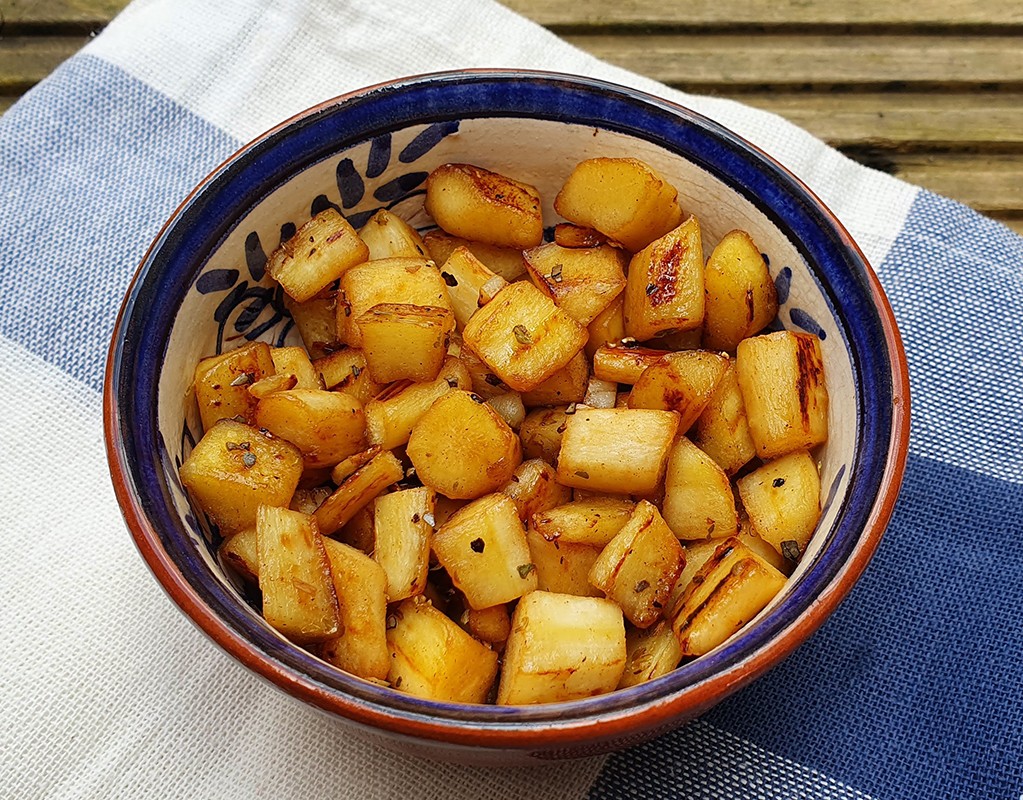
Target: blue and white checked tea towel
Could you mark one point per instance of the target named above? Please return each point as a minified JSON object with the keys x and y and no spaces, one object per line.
{"x":914,"y":689}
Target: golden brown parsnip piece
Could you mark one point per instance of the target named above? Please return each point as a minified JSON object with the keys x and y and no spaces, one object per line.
{"x":402,"y":535}
{"x":534,"y":488}
{"x":465,"y":276}
{"x":326,"y":426}
{"x":562,"y":648}
{"x":594,"y":521}
{"x":624,"y":362}
{"x":731,"y":588}
{"x":567,"y":385}
{"x":616,"y":450}
{"x":638,"y":568}
{"x":295,"y":361}
{"x":581,"y":281}
{"x":316,"y":322}
{"x":234,"y":469}
{"x":651,"y":653}
{"x":433,"y":658}
{"x":664,"y":291}
{"x":607,"y":327}
{"x":781,"y":377}
{"x":620,"y":197}
{"x":345,"y":370}
{"x":405,"y":342}
{"x":568,"y":235}
{"x":317,"y":255}
{"x":783,"y":500}
{"x":740,"y":298}
{"x":462,"y":448}
{"x":389,"y":236}
{"x":523,"y":337}
{"x":488,"y":624}
{"x":506,"y":262}
{"x":222,"y":382}
{"x":722,"y":429}
{"x":481,"y":205}
{"x":509,"y":405}
{"x":411,"y":281}
{"x":562,"y":567}
{"x":483,"y":548}
{"x":541,"y":432}
{"x":359,"y":583}
{"x":357,"y":491}
{"x":240,"y":551}
{"x":698,"y":501}
{"x":681,"y":382}
{"x":294,"y":576}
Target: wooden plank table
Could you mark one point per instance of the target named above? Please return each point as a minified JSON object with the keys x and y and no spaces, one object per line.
{"x":931,"y":91}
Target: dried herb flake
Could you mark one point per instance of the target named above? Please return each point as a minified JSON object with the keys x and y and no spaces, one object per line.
{"x":477,"y":545}
{"x":651,"y":288}
{"x":238,"y":446}
{"x":449,"y":279}
{"x":249,"y":460}
{"x":556,"y":273}
{"x":790,"y":549}
{"x":244,"y":379}
{"x":642,"y":586}
{"x":583,"y":474}
{"x":522,"y":335}
{"x":525,"y":569}
{"x":778,"y":482}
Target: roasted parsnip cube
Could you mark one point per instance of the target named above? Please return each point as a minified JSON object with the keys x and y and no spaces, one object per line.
{"x":359,"y":489}
{"x":462,"y":448}
{"x":664,"y":290}
{"x":682,"y":382}
{"x":568,"y":235}
{"x":504,"y":261}
{"x":465,"y":275}
{"x":698,"y":553}
{"x":405,"y":342}
{"x":483,"y":548}
{"x":607,"y":327}
{"x":241,"y":552}
{"x":781,"y":376}
{"x":359,"y":583}
{"x":624,"y":362}
{"x":638,"y":568}
{"x":509,"y":406}
{"x":433,"y":658}
{"x":294,"y":575}
{"x":622,"y":198}
{"x":316,"y":322}
{"x":651,"y":653}
{"x":403,"y":534}
{"x":748,"y":536}
{"x":484,"y":382}
{"x":484,"y":206}
{"x":783,"y":500}
{"x":561,"y":566}
{"x":326,"y":426}
{"x":411,"y":281}
{"x":488,"y":624}
{"x":234,"y":469}
{"x":731,"y":588}
{"x":721,"y":430}
{"x":740,"y":298}
{"x":222,"y":382}
{"x":391,"y":415}
{"x":445,"y":508}
{"x":534,"y":488}
{"x":567,"y":385}
{"x":345,"y":371}
{"x":582,"y":282}
{"x":562,"y":648}
{"x":600,"y":394}
{"x":698,"y":500}
{"x":523,"y":337}
{"x":295,"y":361}
{"x":616,"y":450}
{"x":681,"y":340}
{"x":389,"y":236}
{"x":541,"y":433}
{"x":594,"y":521}
{"x":317,"y":255}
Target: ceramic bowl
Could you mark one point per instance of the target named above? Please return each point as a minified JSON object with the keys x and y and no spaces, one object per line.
{"x":202,"y":288}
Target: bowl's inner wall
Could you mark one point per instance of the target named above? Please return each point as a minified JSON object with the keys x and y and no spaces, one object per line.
{"x":226,"y":300}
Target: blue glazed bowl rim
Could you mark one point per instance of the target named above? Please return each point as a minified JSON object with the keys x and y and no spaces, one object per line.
{"x":209,"y":213}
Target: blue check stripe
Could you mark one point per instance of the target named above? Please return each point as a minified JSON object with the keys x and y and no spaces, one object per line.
{"x":123,"y":163}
